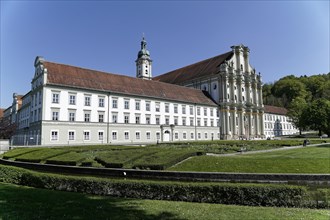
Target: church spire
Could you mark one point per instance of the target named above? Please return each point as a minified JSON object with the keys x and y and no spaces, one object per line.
{"x":143,"y":62}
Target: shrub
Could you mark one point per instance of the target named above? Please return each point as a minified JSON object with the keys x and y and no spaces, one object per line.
{"x":225,"y":193}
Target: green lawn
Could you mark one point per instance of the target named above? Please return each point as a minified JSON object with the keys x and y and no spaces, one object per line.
{"x":18,"y":202}
{"x":302,"y":160}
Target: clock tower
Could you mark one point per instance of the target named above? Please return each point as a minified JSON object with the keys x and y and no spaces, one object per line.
{"x":143,"y":62}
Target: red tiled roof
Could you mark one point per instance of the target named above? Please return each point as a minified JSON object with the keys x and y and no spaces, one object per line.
{"x":203,"y":68}
{"x":275,"y":110}
{"x":65,"y":75}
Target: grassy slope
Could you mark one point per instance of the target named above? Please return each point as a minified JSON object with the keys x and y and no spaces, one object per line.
{"x":17,"y":202}
{"x":303,"y":160}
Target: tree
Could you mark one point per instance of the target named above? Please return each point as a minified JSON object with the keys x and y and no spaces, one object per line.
{"x":317,"y":116}
{"x":295,"y":112}
{"x":288,"y":89}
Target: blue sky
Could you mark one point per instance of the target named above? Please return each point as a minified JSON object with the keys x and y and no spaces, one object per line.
{"x":284,"y":37}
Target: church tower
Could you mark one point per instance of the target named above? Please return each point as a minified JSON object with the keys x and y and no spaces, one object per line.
{"x":143,"y":62}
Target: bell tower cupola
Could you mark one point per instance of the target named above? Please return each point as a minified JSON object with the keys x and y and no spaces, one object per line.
{"x":143,"y":62}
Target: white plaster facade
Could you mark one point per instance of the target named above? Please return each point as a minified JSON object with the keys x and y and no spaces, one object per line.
{"x":277,"y":125}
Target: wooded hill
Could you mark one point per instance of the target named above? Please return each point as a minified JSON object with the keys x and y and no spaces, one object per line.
{"x":306,"y":97}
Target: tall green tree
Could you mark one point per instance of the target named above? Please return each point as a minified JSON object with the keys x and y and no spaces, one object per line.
{"x":295,"y":112}
{"x":317,"y":116}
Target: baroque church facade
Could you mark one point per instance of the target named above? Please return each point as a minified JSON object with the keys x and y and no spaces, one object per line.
{"x":217,"y":98}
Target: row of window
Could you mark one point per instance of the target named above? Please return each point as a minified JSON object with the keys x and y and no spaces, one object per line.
{"x":73,"y":97}
{"x":87,"y":118}
{"x":275,"y":118}
{"x":86,"y":135}
{"x":101,"y":103}
{"x":276,"y":125}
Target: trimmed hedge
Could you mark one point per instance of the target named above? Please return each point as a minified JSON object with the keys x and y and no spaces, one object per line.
{"x":224,"y":193}
{"x":119,"y":158}
{"x":18,"y":152}
{"x":71,"y":158}
{"x":164,"y":159}
{"x":40,"y":155}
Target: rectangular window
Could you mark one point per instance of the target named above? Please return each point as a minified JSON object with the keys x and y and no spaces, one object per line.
{"x":175,"y":121}
{"x":198,"y":122}
{"x":184,"y":109}
{"x":137,"y":119}
{"x":40,"y":97}
{"x":114,"y":135}
{"x":126,"y":104}
{"x":72,"y":99}
{"x":101,"y":135}
{"x":148,"y":135}
{"x":137,"y":135}
{"x":191,"y":122}
{"x":86,"y":135}
{"x":176,"y":135}
{"x":184,"y":135}
{"x":191,"y":110}
{"x":198,"y":111}
{"x":205,"y":135}
{"x":167,"y":108}
{"x":54,"y":115}
{"x":114,"y":103}
{"x":126,"y":134}
{"x":87,"y":117}
{"x":71,"y":135}
{"x":157,"y":107}
{"x":137,"y":105}
{"x":211,"y":111}
{"x":55,"y":98}
{"x":126,"y":119}
{"x":72,"y":116}
{"x":175,"y":109}
{"x":101,"y":117}
{"x":212,"y":123}
{"x":205,"y":111}
{"x":87,"y":101}
{"x":147,"y":106}
{"x":191,"y":135}
{"x":114,"y":118}
{"x":167,"y":121}
{"x":205,"y":122}
{"x":54,"y":135}
{"x":157,"y":135}
{"x":199,"y":135}
{"x":184,"y":121}
{"x":148,"y":120}
{"x":157,"y":120}
{"x":101,"y":102}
